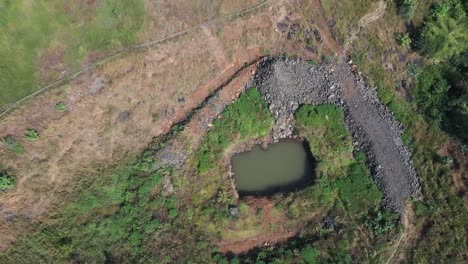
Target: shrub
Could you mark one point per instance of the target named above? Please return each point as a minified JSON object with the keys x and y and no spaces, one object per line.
{"x":309,"y":255}
{"x":244,"y":208}
{"x":173,"y":213}
{"x":406,"y":8}
{"x":431,"y":93}
{"x":421,"y":209}
{"x":60,"y":107}
{"x":404,"y":40}
{"x":6,"y":181}
{"x":31,"y":134}
{"x":443,"y":36}
{"x":225,"y":197}
{"x":381,"y":222}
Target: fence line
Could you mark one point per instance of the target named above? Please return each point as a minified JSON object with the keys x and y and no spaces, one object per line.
{"x":146,"y":44}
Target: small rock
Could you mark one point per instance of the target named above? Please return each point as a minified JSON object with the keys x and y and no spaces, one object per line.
{"x":233,"y":210}
{"x":124,"y":116}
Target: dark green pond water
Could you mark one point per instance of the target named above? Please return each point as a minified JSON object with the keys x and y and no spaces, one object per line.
{"x":282,"y":167}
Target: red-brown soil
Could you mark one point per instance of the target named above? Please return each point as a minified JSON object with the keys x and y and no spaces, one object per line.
{"x":266,"y":235}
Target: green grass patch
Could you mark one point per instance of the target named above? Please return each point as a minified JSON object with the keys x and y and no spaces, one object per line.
{"x":7,"y":182}
{"x":358,"y":191}
{"x":31,"y":134}
{"x":331,"y":144}
{"x":31,"y":27}
{"x":248,"y":117}
{"x":330,"y":141}
{"x":61,"y":107}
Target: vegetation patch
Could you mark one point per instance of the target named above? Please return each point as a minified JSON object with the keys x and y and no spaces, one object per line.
{"x":31,"y":134}
{"x":124,"y":215}
{"x":61,"y":107}
{"x":7,"y":182}
{"x":78,"y":28}
{"x":246,"y":118}
{"x":130,"y":213}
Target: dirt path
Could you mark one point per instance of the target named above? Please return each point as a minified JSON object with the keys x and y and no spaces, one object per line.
{"x":216,"y":47}
{"x":409,"y":234}
{"x":364,"y":21}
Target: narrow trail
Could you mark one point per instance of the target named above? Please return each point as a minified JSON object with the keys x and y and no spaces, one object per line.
{"x":364,"y":21}
{"x":143,"y":45}
{"x":404,"y":236}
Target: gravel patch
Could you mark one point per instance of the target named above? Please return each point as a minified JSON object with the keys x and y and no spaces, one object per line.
{"x":287,"y":83}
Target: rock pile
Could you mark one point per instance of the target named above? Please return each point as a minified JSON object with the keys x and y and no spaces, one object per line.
{"x":287,"y":83}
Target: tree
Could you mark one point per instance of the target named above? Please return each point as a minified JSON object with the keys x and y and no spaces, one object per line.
{"x":444,"y":34}
{"x":309,"y":254}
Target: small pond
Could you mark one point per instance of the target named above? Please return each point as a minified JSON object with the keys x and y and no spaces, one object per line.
{"x":282,"y":167}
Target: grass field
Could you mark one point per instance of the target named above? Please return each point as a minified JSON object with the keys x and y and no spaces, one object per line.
{"x":42,"y":41}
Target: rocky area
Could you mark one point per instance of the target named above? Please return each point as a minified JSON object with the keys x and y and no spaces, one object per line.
{"x":287,"y":83}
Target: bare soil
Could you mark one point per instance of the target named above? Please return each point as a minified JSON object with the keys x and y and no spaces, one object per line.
{"x":272,"y":228}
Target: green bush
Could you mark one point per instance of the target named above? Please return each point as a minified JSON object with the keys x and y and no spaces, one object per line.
{"x":404,"y":40}
{"x":431,"y":92}
{"x":244,"y":209}
{"x":444,"y":34}
{"x":381,"y":221}
{"x":173,"y":213}
{"x":60,"y":107}
{"x":31,"y":134}
{"x":309,"y":255}
{"x":6,"y":181}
